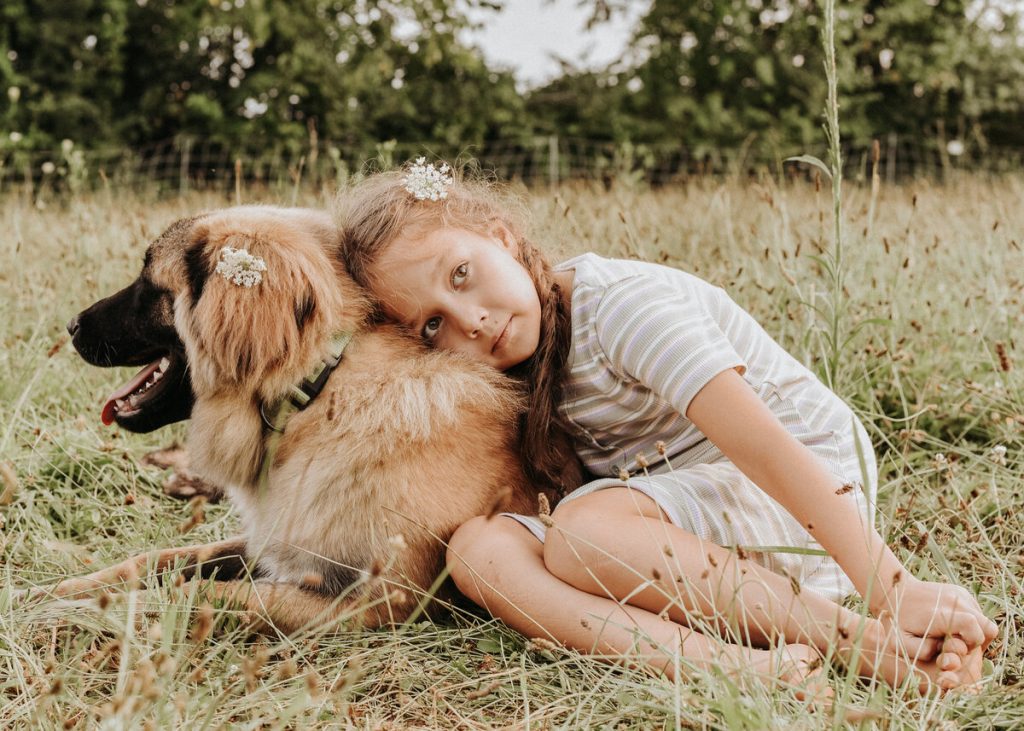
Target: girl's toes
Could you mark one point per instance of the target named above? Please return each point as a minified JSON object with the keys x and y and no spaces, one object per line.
{"x":803,"y":670}
{"x":954,"y":645}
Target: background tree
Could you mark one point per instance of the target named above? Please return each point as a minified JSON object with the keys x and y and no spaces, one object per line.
{"x":259,"y":76}
{"x":249,"y":73}
{"x":717,"y":72}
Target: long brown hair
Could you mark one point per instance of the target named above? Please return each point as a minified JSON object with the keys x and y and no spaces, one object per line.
{"x":375,"y":211}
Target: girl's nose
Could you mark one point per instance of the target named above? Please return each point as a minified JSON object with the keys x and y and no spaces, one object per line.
{"x":472,"y":322}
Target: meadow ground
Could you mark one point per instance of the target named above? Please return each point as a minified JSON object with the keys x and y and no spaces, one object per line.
{"x":932,"y":361}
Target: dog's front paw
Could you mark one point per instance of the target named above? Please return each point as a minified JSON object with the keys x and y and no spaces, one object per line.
{"x":185,"y":486}
{"x":182,"y":484}
{"x":173,"y":457}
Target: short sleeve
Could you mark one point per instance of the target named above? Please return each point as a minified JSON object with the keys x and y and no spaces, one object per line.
{"x":663,"y":337}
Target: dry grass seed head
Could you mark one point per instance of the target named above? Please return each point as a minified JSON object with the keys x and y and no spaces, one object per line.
{"x":484,"y":691}
{"x":847,"y":487}
{"x":543,"y":505}
{"x":313,"y":682}
{"x":252,"y":667}
{"x":287,"y":669}
{"x":203,"y":625}
{"x":198,"y":516}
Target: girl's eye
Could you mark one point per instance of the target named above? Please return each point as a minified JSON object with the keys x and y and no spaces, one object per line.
{"x":430,"y":328}
{"x":460,"y":274}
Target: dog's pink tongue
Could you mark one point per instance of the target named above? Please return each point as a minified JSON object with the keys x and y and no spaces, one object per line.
{"x":107,"y":415}
{"x":110,"y":408}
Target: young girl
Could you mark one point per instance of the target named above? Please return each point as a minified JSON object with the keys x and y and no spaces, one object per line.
{"x":710,"y":446}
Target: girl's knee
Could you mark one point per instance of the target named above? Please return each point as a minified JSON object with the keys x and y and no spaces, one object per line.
{"x":480,"y":546}
{"x":579,"y":525}
{"x":586,"y":531}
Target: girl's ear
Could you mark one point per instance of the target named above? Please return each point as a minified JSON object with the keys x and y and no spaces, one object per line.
{"x":504,"y":236}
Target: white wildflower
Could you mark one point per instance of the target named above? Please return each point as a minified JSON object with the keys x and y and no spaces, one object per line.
{"x":940,"y":461}
{"x":66,"y":146}
{"x":998,"y":454}
{"x":48,"y":168}
{"x":240,"y":267}
{"x":14,"y":94}
{"x":16,"y":137}
{"x":427,"y":182}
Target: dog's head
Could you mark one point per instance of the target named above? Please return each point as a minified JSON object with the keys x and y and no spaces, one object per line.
{"x":196,"y":331}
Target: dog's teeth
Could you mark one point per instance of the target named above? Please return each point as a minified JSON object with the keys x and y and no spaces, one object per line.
{"x":164,"y":363}
{"x":119,"y":404}
{"x":132,"y":399}
{"x":158,"y":375}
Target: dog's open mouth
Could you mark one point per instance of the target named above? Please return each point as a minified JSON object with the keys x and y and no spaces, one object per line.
{"x":146,"y":387}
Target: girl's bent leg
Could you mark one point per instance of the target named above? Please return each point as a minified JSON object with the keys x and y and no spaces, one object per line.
{"x":499,"y":564}
{"x":617,"y":543}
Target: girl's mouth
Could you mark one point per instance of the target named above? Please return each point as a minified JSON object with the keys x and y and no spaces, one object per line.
{"x":502,"y":338}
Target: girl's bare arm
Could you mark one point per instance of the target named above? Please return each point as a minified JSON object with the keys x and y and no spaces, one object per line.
{"x":730,"y":414}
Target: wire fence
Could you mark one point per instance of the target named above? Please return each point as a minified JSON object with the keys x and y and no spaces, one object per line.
{"x":185,"y":163}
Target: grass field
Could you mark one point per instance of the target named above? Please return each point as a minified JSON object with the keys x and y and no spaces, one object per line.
{"x":933,"y":310}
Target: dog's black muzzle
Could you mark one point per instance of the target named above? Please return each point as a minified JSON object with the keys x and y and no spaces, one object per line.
{"x":135,"y":327}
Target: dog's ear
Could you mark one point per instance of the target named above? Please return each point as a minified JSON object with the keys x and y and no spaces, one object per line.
{"x":253,"y":292}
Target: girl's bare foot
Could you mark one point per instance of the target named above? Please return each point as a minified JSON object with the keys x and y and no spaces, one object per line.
{"x":879,"y":653}
{"x":795,"y":667}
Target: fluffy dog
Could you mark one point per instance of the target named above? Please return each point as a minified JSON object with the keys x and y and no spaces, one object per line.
{"x":367,"y":482}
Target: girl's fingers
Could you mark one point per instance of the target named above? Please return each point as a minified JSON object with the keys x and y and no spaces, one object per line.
{"x":948,"y":681}
{"x":955,"y":645}
{"x":948,"y":662}
{"x":967,"y":626}
{"x":988,"y":628}
{"x":921,"y":649}
{"x":991,"y":629}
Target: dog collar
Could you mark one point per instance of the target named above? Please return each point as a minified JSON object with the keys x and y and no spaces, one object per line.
{"x":299,"y":396}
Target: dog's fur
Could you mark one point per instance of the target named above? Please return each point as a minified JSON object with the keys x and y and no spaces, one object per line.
{"x":403,"y":441}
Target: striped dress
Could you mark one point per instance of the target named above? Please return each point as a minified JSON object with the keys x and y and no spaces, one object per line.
{"x":645,"y":339}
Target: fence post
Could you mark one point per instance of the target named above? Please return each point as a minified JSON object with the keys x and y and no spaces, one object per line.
{"x":890,"y":159}
{"x":183,"y":168}
{"x":553,"y":160}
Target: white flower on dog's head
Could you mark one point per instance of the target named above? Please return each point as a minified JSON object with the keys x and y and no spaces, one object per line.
{"x":240,"y":267}
{"x":427,"y":182}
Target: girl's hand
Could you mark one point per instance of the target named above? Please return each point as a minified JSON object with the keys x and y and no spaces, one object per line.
{"x":930,"y":609}
{"x":885,"y":651}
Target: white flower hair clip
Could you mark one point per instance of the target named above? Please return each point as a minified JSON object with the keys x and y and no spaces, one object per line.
{"x":240,"y":267}
{"x":427,"y":182}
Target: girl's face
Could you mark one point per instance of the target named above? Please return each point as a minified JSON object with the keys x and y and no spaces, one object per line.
{"x":462,"y":291}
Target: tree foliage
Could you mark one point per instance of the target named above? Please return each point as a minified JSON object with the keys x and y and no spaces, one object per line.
{"x":249,"y":72}
{"x":255,"y":74}
{"x":718,"y":72}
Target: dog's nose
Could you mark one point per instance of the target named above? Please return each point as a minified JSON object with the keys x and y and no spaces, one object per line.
{"x":73,"y":326}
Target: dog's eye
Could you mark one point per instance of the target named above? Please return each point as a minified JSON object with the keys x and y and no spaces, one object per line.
{"x":431,"y":327}
{"x":460,"y":275}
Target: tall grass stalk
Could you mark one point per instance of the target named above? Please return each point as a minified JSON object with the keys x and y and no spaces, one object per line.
{"x":835,"y":161}
{"x":830,"y":312}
